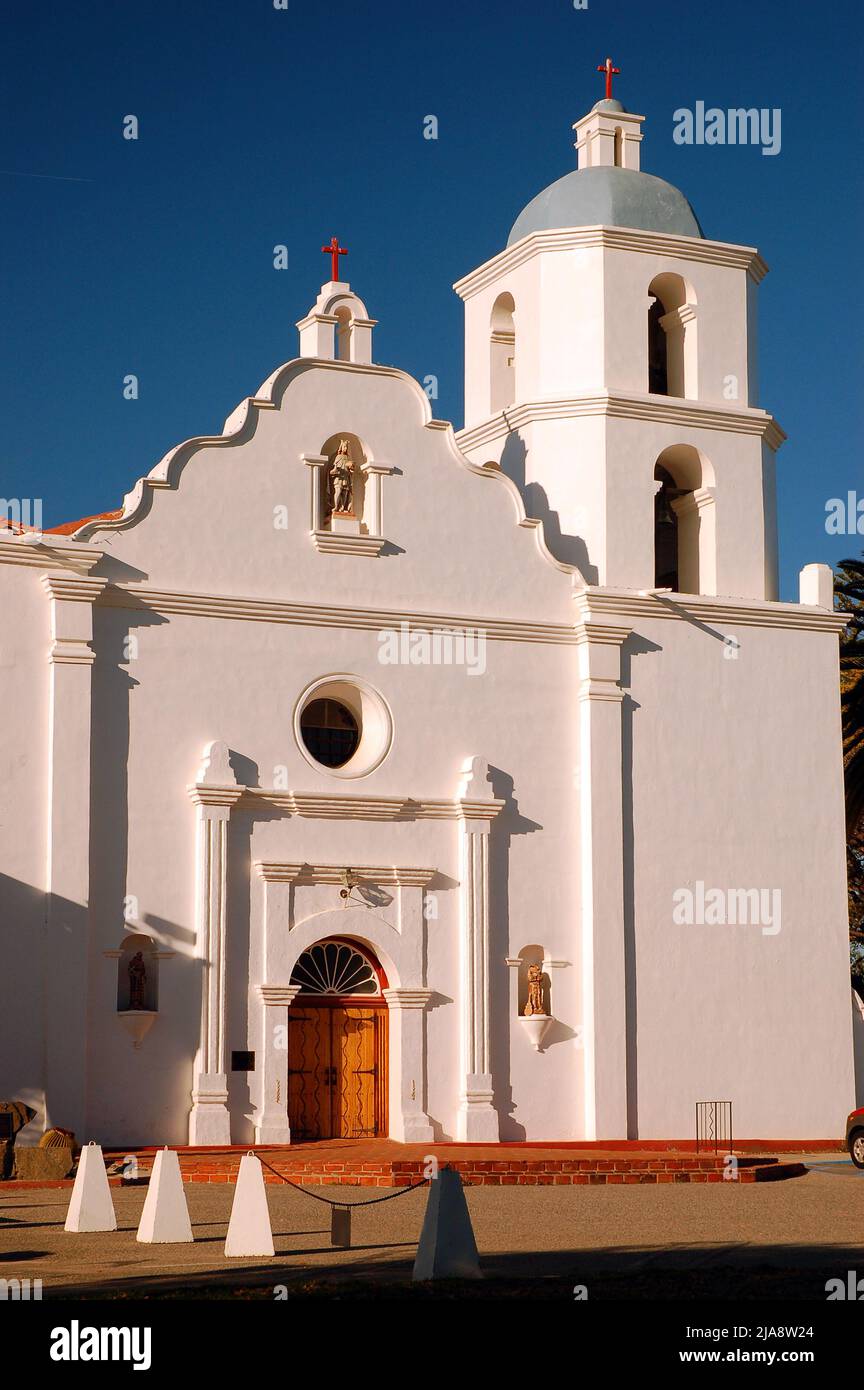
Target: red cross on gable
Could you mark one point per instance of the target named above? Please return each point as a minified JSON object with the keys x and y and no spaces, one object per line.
{"x":334,"y":250}
{"x":609,"y":70}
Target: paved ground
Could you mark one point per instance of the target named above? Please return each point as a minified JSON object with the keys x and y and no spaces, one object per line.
{"x":765,"y":1240}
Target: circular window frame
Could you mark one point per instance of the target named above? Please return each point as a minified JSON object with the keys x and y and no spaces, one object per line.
{"x":371,"y":712}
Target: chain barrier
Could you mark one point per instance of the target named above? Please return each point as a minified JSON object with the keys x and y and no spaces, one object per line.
{"x":370,"y":1202}
{"x":340,"y":1212}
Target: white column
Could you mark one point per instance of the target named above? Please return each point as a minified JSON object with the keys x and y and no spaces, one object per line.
{"x":697,"y":543}
{"x":272,"y":1125}
{"x":679,"y":325}
{"x":373,"y":512}
{"x":604,"y":1005}
{"x":71,"y":657}
{"x":315,"y":462}
{"x":214,"y":793}
{"x":477,"y":1119}
{"x":318,"y":335}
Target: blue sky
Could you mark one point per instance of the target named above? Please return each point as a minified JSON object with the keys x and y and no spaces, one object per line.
{"x":261,"y":126}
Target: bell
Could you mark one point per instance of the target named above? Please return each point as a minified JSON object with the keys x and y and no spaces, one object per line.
{"x":664,"y":514}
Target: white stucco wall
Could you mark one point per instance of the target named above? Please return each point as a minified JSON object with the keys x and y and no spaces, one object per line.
{"x":730,"y":774}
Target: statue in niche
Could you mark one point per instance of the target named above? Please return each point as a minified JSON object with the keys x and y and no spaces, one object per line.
{"x":137,"y":981}
{"x":535,"y":991}
{"x":342,"y":480}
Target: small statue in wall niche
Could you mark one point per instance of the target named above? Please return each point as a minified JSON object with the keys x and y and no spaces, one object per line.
{"x":137,"y":981}
{"x":342,"y":479}
{"x":535,"y":991}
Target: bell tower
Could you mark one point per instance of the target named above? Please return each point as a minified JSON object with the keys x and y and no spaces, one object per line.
{"x":610,"y":370}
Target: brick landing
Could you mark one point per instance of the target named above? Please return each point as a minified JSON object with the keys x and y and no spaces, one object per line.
{"x":384,"y":1163}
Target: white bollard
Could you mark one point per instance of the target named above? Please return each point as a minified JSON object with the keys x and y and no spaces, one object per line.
{"x":91,"y":1207}
{"x":249,"y":1231}
{"x":447,"y":1248}
{"x":165,"y":1218}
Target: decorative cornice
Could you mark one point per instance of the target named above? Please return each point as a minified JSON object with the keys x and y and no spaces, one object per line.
{"x":71,"y":651}
{"x":54,"y":553}
{"x":322,"y":615}
{"x":479,"y":810}
{"x":73,"y":588}
{"x":626,"y":603}
{"x":407,"y":998}
{"x":603,"y":688}
{"x":345,"y":806}
{"x":273,"y":871}
{"x":203,"y":795}
{"x":667,"y":410}
{"x":274,"y":995}
{"x":591,"y":631}
{"x":378,"y":467}
{"x":616,"y":238}
{"x":339,"y":543}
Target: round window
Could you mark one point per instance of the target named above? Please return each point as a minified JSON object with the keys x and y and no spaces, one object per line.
{"x":330,"y":732}
{"x":343,"y":726}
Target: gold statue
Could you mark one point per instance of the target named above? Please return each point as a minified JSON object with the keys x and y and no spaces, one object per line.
{"x":342,"y":479}
{"x":535,"y":991}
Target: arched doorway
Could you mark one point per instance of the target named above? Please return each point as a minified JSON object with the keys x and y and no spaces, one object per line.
{"x":337,"y":1044}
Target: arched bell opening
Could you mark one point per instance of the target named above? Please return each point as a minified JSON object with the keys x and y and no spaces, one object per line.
{"x":672,"y":358}
{"x":685,"y":558}
{"x":502,"y":354}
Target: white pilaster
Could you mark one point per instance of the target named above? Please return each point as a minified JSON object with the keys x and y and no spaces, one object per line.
{"x":697,"y":545}
{"x":272,"y":1125}
{"x":477,"y":1119}
{"x":214,"y":793}
{"x":71,"y":658}
{"x":604,"y":1004}
{"x":373,"y":513}
{"x":409,"y":1122}
{"x":316,"y":462}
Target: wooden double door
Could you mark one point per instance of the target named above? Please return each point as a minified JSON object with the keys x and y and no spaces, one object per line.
{"x":337,"y":1070}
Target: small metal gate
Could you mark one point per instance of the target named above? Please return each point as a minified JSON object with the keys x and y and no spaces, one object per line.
{"x":714,"y":1126}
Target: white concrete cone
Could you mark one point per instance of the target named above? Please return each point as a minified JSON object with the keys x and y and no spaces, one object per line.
{"x":447,"y":1248}
{"x":249,"y":1230}
{"x":165,"y":1218}
{"x":91,"y":1207}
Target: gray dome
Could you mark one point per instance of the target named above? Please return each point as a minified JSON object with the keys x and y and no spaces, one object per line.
{"x":609,"y":196}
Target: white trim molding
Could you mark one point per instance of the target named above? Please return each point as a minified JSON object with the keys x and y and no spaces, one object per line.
{"x":273,"y":871}
{"x":615,"y":238}
{"x":667,"y":410}
{"x":603,"y":604}
{"x":345,"y":617}
{"x":345,"y":806}
{"x":343,"y":543}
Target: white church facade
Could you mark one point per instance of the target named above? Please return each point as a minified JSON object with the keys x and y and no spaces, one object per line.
{"x":360,"y":777}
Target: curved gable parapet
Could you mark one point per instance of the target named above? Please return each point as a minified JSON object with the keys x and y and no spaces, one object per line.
{"x":240,"y":427}
{"x":521,"y":516}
